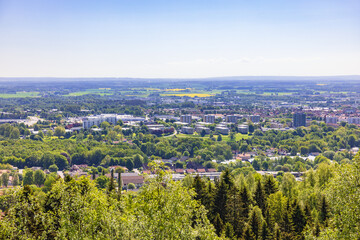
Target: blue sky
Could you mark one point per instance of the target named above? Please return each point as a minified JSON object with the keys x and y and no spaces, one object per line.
{"x":187,"y":38}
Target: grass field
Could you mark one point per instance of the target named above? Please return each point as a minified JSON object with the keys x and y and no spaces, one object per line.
{"x":238,"y":136}
{"x":100,"y":91}
{"x":19,"y":95}
{"x":188,"y":94}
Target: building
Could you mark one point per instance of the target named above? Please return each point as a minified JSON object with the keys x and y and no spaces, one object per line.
{"x":90,"y":121}
{"x":186,"y":118}
{"x":331,"y":120}
{"x":353,"y":120}
{"x":200,"y":128}
{"x":187,"y":130}
{"x":231,"y":118}
{"x":255,"y":118}
{"x":299,"y":119}
{"x":209,"y":118}
{"x":222,"y":130}
{"x":243,"y":128}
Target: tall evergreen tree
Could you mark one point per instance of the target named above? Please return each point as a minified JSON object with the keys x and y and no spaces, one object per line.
{"x":307,"y":213}
{"x":298,"y":218}
{"x":220,"y":197}
{"x":228,"y":231}
{"x":218,"y":224}
{"x":248,"y":234}
{"x":119,"y":183}
{"x":287,"y":224}
{"x":245,"y":198}
{"x":111,"y":186}
{"x":255,"y":222}
{"x":324,"y":211}
{"x":259,"y":196}
{"x":234,"y":208}
{"x":200,"y":189}
{"x":270,"y":185}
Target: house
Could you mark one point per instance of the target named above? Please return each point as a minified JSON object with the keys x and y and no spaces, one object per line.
{"x":201,"y":170}
{"x":180,"y":171}
{"x":190,"y":170}
{"x":134,"y":178}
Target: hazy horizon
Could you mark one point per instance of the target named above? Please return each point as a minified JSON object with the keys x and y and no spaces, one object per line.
{"x":179,"y":39}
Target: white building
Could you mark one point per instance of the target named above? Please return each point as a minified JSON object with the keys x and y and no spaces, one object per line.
{"x":231,"y":118}
{"x":222,"y":130}
{"x":331,"y":120}
{"x":255,"y":118}
{"x":353,"y":120}
{"x":90,"y":121}
{"x":186,"y":118}
{"x":187,"y":130}
{"x":243,"y":128}
{"x":199,"y":129}
{"x":209,"y":118}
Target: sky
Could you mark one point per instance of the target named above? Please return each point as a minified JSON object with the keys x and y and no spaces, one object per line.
{"x":179,"y":39}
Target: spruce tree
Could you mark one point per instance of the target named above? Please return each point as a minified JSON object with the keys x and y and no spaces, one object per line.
{"x":119,"y":183}
{"x":248,"y":234}
{"x":255,"y":222}
{"x":259,"y":196}
{"x":218,"y":224}
{"x":270,"y":185}
{"x":111,"y":186}
{"x":234,"y":208}
{"x":200,"y":189}
{"x":298,"y":219}
{"x":265,"y":232}
{"x":308,"y":216}
{"x":245,"y":198}
{"x":220,"y":197}
{"x":324,"y":211}
{"x":228,"y":231}
{"x":287,"y":224}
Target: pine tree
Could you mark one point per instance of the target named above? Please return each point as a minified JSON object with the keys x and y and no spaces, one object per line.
{"x":298,"y":219}
{"x":111,"y":186}
{"x":200,"y":189}
{"x":265,"y":234}
{"x":228,"y":231}
{"x":270,"y":223}
{"x":119,"y":183}
{"x":220,"y":197}
{"x":308,"y":216}
{"x":245,"y":198}
{"x":234,"y":208}
{"x":255,"y":222}
{"x":287,"y":224}
{"x":248,"y":234}
{"x":324,"y":211}
{"x":277,"y":233}
{"x":218,"y":224}
{"x":259,"y":196}
{"x":270,"y":185}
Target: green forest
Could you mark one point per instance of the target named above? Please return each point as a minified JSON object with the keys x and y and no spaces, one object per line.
{"x":324,"y":205}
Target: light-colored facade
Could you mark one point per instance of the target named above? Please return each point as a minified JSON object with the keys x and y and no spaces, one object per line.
{"x":255,"y":118}
{"x":231,"y":118}
{"x":222,"y":130}
{"x":199,"y":129}
{"x":209,"y":118}
{"x":90,"y":121}
{"x":331,"y":120}
{"x":354,"y":120}
{"x":243,"y":128}
{"x":186,"y":118}
{"x":187,"y":130}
